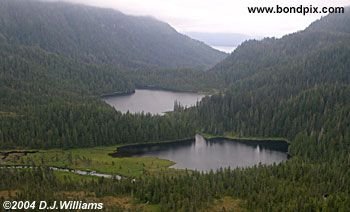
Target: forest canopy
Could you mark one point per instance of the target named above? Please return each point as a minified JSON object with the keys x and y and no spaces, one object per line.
{"x":295,"y":87}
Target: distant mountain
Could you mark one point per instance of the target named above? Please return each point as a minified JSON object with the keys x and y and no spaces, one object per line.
{"x":101,"y":36}
{"x":328,"y":37}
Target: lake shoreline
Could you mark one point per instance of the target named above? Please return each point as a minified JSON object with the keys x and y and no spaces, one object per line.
{"x":127,"y":147}
{"x":157,"y":88}
{"x":235,"y":138}
{"x":154,"y":88}
{"x":251,"y":140}
{"x":197,"y":153}
{"x":118,"y":93}
{"x":153,"y":101}
{"x":244,"y":140}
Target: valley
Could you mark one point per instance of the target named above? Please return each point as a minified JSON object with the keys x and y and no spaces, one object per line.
{"x":271,"y":120}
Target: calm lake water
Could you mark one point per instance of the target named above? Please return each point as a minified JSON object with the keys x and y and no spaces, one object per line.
{"x":152,"y":101}
{"x":205,"y":155}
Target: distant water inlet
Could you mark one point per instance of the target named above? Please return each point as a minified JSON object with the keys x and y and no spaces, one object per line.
{"x":204,"y":155}
{"x":152,"y":101}
{"x":227,"y":49}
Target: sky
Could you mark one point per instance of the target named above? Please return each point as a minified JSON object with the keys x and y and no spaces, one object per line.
{"x":220,"y":16}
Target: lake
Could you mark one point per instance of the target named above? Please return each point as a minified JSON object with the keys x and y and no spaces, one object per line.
{"x":204,"y":155}
{"x":152,"y":101}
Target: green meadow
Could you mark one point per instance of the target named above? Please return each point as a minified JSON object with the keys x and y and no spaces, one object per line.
{"x":94,"y":159}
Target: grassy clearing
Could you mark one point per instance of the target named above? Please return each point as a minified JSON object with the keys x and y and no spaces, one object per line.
{"x":73,"y":177}
{"x":226,"y":204}
{"x":8,"y":194}
{"x":110,"y":203}
{"x":8,"y":114}
{"x":94,"y":159}
{"x":151,"y":208}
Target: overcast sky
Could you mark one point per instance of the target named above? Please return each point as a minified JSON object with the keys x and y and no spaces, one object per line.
{"x":220,"y":15}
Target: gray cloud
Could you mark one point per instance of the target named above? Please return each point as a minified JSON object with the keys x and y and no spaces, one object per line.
{"x":225,"y":16}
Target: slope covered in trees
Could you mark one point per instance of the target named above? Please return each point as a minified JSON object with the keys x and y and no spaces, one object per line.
{"x":101,"y":36}
{"x":275,"y":87}
{"x":55,"y":60}
{"x":295,"y":87}
{"x":324,"y":40}
{"x":48,"y":101}
{"x":278,"y":87}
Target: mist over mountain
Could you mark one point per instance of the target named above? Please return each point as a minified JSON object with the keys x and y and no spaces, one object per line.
{"x":101,"y":36}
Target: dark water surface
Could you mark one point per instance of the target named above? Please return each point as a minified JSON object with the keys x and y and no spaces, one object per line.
{"x":152,"y":101}
{"x":204,"y":155}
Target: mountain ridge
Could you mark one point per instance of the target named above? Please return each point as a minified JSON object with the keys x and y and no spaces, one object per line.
{"x":103,"y":36}
{"x":253,"y":56}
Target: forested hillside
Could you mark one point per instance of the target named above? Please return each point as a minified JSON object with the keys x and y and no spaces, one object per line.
{"x":292,"y":54}
{"x":49,"y":90}
{"x":48,"y":101}
{"x":101,"y":36}
{"x":296,"y":87}
{"x":279,"y":87}
{"x":274,"y":87}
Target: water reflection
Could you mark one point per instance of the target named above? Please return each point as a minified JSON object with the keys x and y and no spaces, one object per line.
{"x":152,"y":101}
{"x":204,"y":155}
